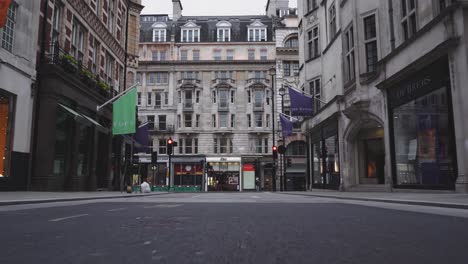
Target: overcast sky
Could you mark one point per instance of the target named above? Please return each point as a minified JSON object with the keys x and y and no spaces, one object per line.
{"x":210,"y":7}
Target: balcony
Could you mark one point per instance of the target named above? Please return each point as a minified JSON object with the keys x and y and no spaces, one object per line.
{"x":223,"y":81}
{"x":70,"y":65}
{"x":187,"y":106}
{"x":263,"y":81}
{"x":189,"y":83}
{"x":161,"y":129}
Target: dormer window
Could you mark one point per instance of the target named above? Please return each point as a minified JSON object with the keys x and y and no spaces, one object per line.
{"x":159,"y":32}
{"x":190,"y":32}
{"x":224,"y":31}
{"x":257,"y":31}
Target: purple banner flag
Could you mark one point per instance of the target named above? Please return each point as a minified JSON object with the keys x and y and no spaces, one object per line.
{"x":286,"y":126}
{"x":142,"y":139}
{"x":301,"y":105}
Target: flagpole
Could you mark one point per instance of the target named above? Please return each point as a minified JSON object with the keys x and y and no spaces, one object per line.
{"x":297,"y":119}
{"x":306,"y":94}
{"x":99,"y":107}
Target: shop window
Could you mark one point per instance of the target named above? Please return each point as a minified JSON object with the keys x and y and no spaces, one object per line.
{"x":6,"y":120}
{"x":63,"y":139}
{"x":424,"y":151}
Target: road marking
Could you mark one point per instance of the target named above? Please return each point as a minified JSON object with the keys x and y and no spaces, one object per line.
{"x":163,"y":206}
{"x":256,"y":197}
{"x":196,"y":196}
{"x":68,"y":217}
{"x":117,"y":209}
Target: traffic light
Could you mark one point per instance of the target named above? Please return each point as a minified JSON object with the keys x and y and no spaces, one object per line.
{"x":154,"y":157}
{"x":170,"y":144}
{"x":275,"y":152}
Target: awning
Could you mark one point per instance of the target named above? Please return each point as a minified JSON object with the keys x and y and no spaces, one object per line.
{"x":85,"y":118}
{"x":297,"y":169}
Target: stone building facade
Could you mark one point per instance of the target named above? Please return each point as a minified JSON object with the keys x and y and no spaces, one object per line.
{"x":390,"y":75}
{"x":205,"y":83}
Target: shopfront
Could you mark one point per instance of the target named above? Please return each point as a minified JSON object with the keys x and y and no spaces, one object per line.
{"x":187,"y":173}
{"x":6,"y":122}
{"x":324,"y":158}
{"x":224,"y":174}
{"x":422,"y":130}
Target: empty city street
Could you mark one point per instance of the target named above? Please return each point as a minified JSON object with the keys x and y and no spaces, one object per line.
{"x":231,"y":228}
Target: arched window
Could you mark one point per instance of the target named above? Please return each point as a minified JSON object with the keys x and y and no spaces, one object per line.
{"x":291,"y":43}
{"x":296,"y":148}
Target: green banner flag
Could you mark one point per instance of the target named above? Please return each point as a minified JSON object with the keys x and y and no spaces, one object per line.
{"x":124,"y":114}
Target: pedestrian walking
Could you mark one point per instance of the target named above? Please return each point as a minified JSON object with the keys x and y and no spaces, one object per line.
{"x":257,"y":184}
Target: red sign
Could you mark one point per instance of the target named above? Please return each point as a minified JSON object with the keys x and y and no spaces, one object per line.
{"x":4,"y":4}
{"x":249,"y":167}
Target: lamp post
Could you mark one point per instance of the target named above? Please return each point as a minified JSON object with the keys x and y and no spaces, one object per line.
{"x":282,"y":93}
{"x":272,"y":72}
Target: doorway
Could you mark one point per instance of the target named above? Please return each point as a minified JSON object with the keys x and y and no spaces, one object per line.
{"x":374,"y":151}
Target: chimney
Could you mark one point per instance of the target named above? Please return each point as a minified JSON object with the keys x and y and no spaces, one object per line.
{"x":176,"y":9}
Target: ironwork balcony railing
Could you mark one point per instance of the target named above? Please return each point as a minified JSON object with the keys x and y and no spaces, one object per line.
{"x":188,"y":81}
{"x":223,"y":81}
{"x":71,"y":65}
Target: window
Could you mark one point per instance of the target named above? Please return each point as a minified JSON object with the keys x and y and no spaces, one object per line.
{"x":251,"y":54}
{"x":197,"y":121}
{"x":188,"y":103}
{"x":249,"y":97}
{"x":98,"y":7}
{"x":313,"y":43}
{"x":162,"y":55}
{"x":258,"y":119}
{"x":408,"y":18}
{"x":197,"y":97}
{"x":349,"y":55}
{"x":196,"y":55}
{"x":138,"y":98}
{"x":291,"y":43}
{"x":217,"y":54}
{"x":183,"y":55}
{"x":56,"y":24}
{"x":265,"y":145}
{"x":162,"y":146}
{"x":78,"y":36}
{"x":267,"y":120}
{"x":188,"y":146}
{"x":233,"y":96}
{"x":224,"y":34}
{"x":286,"y":68}
{"x":179,"y":96}
{"x":223,"y":120}
{"x":109,"y":67}
{"x":249,"y":120}
{"x":316,"y":92}
{"x":267,"y":97}
{"x":258,"y":98}
{"x":159,"y":35}
{"x":258,"y":145}
{"x":213,"y":120}
{"x":149,"y":98}
{"x":157,"y":78}
{"x":295,"y":68}
{"x":213,"y":97}
{"x":195,"y":143}
{"x":155,"y":55}
{"x":166,"y":98}
{"x":111,"y":16}
{"x":162,"y":122}
{"x":157,"y":100}
{"x":263,"y":54}
{"x":215,"y":145}
{"x":332,"y":21}
{"x":190,"y":35}
{"x":311,"y":5}
{"x":188,"y":120}
{"x":150,"y":120}
{"x":179,"y":122}
{"x":223,"y":98}
{"x":95,"y":58}
{"x":223,"y":145}
{"x":230,"y":55}
{"x":370,"y":42}
{"x":257,"y":34}
{"x":138,"y":78}
{"x":181,"y":146}
{"x":233,"y":120}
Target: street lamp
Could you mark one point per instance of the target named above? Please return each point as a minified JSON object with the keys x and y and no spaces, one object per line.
{"x":282,"y":93}
{"x":272,"y":72}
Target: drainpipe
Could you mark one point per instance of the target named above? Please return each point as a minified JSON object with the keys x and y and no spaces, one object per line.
{"x":36,"y":104}
{"x":392,"y":29}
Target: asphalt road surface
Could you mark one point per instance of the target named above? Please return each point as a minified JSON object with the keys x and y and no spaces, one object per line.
{"x":231,"y":228}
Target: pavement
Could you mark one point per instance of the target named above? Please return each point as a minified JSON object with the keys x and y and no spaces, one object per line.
{"x":14,"y":198}
{"x":436,"y":199}
{"x":232,"y":228}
